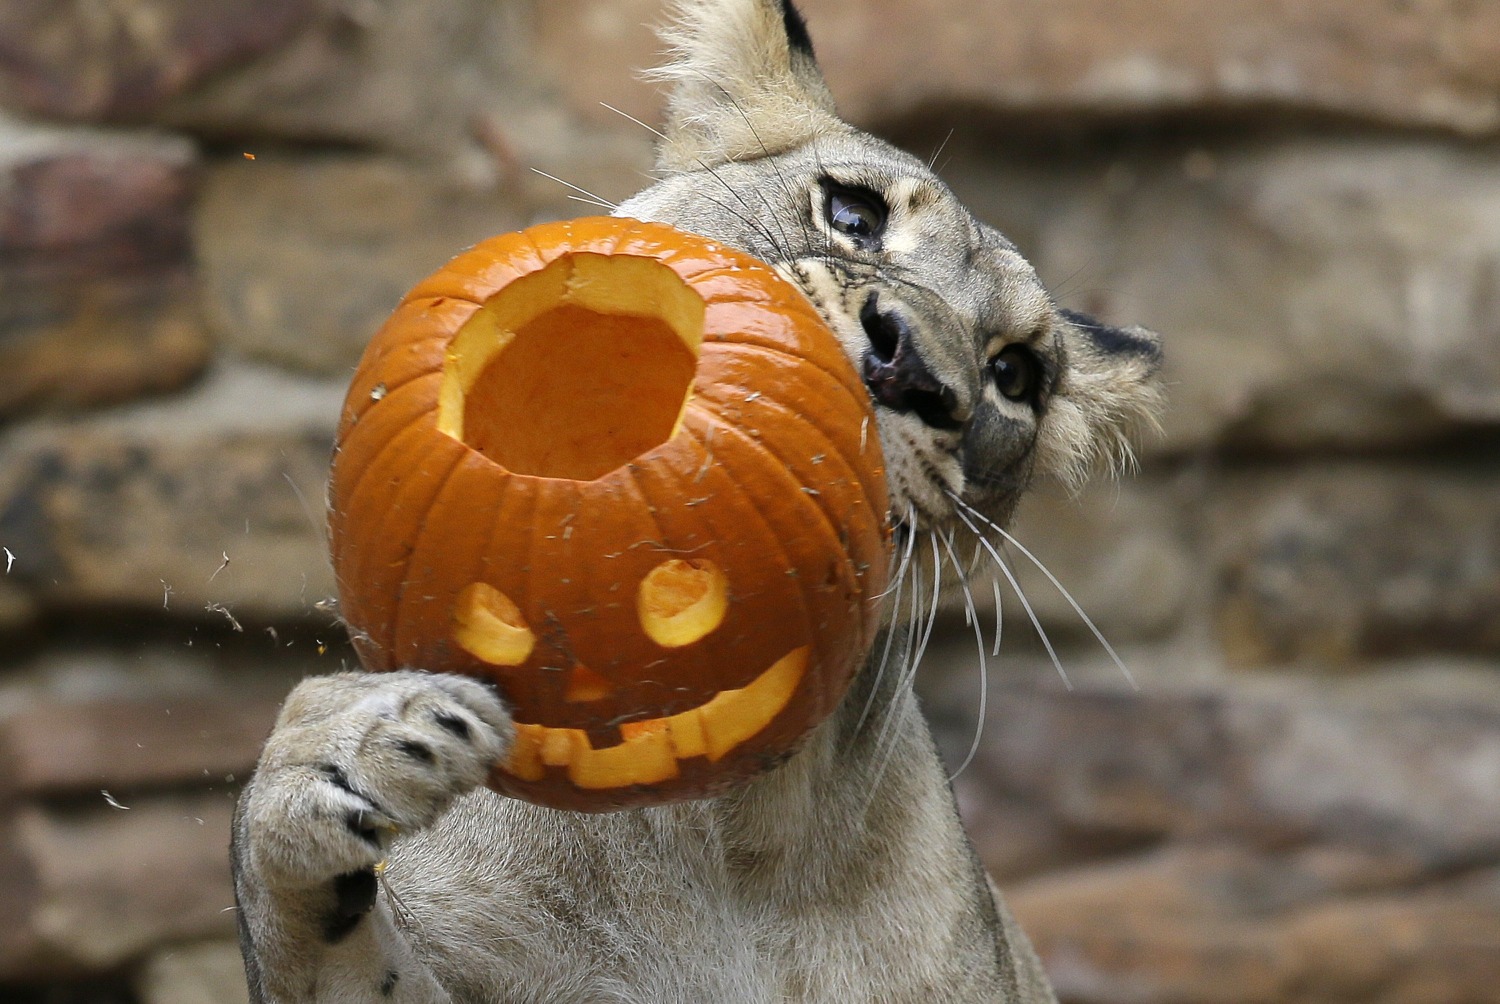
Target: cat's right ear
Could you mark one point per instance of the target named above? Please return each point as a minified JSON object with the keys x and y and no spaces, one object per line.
{"x":744,"y":83}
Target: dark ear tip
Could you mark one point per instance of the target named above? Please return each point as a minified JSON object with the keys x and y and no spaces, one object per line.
{"x":796,"y":29}
{"x":1130,"y":341}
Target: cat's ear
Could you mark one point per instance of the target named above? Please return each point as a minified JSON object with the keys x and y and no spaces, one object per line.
{"x":744,"y":83}
{"x":1109,"y":393}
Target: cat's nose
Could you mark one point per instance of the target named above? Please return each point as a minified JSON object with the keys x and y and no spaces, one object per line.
{"x":896,"y":375}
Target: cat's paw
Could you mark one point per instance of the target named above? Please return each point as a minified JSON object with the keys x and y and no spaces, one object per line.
{"x":357,"y":759}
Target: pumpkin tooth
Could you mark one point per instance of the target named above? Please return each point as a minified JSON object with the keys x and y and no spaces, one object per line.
{"x":645,"y":757}
{"x":736,"y":715}
{"x":560,"y":746}
{"x":686,"y":730}
{"x":525,"y":760}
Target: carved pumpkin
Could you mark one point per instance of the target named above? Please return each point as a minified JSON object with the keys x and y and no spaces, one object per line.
{"x":627,"y":475}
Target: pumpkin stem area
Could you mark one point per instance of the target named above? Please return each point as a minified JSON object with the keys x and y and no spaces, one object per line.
{"x":576,"y":369}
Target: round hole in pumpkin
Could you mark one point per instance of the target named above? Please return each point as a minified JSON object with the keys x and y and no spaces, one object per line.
{"x":576,"y":369}
{"x":680,"y":601}
{"x":488,"y":625}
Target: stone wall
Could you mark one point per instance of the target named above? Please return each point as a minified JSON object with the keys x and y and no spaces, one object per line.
{"x":206,"y":206}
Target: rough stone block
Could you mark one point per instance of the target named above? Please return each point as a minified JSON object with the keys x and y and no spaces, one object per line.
{"x":405,"y":74}
{"x":78,"y":60}
{"x":209,"y":505}
{"x":1121,"y":549}
{"x":1326,"y":563}
{"x":1226,"y":925}
{"x":1404,"y":64}
{"x":93,"y":199}
{"x":1404,"y":762}
{"x":123,"y":743}
{"x":97,"y":302}
{"x":209,"y":972}
{"x":88,"y":889}
{"x":303,"y":261}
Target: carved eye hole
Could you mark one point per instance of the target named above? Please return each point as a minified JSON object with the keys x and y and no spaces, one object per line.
{"x":1016,"y":372}
{"x":857,"y":212}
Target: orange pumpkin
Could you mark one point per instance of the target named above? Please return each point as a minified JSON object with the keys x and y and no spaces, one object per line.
{"x":628,"y":475}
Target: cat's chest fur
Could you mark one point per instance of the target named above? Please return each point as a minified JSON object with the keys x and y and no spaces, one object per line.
{"x":622,"y":908}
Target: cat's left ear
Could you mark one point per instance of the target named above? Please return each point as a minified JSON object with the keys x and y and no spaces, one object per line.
{"x":1109,"y":393}
{"x":744,"y":83}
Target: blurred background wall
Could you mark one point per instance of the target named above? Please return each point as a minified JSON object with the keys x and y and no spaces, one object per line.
{"x":207,"y":206}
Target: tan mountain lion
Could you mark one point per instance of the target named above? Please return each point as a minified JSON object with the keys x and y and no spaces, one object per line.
{"x":370,"y":865}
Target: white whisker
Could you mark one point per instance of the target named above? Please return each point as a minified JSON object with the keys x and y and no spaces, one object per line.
{"x":885,"y":739}
{"x":649,"y":128}
{"x":588,"y":202}
{"x":759,"y":228}
{"x":890,"y":632}
{"x":937,"y":581}
{"x":1099,"y":635}
{"x":999,"y":621}
{"x":598,"y":200}
{"x":911,"y":538}
{"x":939,"y":151}
{"x":1016,"y":586}
{"x":984,"y":679}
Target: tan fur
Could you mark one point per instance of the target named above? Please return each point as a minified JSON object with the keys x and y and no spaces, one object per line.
{"x":370,"y":867}
{"x":724,"y":106}
{"x":1095,"y":415}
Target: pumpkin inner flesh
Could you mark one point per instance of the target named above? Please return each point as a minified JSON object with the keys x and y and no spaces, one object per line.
{"x":576,"y":369}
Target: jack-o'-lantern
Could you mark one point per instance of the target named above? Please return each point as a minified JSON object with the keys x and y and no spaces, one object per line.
{"x":627,"y":475}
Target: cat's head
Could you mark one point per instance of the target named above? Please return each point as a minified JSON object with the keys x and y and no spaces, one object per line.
{"x":980,"y":380}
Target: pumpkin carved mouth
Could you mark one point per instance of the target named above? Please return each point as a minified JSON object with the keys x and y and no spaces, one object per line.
{"x":649,"y":750}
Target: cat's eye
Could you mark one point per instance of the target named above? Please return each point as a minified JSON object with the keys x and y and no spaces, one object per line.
{"x":1017,"y":373}
{"x":856,"y":212}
